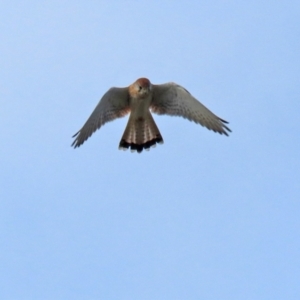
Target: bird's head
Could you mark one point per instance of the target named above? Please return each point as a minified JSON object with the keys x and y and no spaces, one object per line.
{"x":141,"y":88}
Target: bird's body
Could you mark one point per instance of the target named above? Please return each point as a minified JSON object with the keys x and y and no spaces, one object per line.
{"x":139,"y":99}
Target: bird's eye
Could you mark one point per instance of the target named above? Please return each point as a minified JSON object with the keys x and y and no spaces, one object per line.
{"x":140,"y":88}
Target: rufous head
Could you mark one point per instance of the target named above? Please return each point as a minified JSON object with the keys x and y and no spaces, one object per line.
{"x":140,"y":88}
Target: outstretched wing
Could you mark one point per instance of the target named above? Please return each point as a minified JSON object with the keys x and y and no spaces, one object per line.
{"x":114,"y":104}
{"x":172,"y":99}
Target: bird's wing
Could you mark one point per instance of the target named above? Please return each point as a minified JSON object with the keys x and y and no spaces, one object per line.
{"x":114,"y":104}
{"x":172,"y":99}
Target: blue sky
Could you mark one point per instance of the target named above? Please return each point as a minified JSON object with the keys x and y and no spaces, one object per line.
{"x":201,"y":217}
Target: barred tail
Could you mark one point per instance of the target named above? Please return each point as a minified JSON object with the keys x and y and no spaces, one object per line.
{"x":140,"y":133}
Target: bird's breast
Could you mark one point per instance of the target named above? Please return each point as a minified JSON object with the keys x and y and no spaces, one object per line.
{"x":140,"y":106}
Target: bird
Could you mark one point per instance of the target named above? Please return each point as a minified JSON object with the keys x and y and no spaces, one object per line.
{"x":139,"y":100}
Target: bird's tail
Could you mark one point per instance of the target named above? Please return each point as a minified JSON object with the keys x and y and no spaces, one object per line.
{"x":140,"y":133}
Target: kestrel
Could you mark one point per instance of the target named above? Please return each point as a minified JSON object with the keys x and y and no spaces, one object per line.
{"x":139,"y":99}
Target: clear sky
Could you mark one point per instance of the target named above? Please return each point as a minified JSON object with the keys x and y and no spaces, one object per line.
{"x":203,"y":216}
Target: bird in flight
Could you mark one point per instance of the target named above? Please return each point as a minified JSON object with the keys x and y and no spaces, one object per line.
{"x":139,"y":100}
